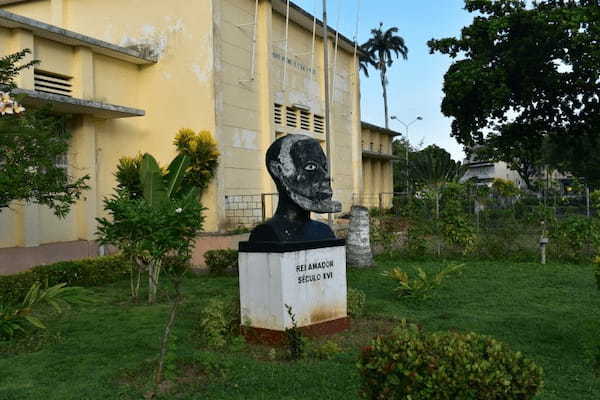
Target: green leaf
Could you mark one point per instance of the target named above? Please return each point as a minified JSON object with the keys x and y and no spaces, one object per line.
{"x":191,"y":195}
{"x":152,"y":181}
{"x":35,"y":322}
{"x":55,"y":305}
{"x":177,"y":170}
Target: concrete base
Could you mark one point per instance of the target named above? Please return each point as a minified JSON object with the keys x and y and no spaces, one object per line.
{"x":271,"y":337}
{"x":309,"y":277}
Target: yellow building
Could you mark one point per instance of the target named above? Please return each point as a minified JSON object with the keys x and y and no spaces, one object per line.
{"x":134,"y":72}
{"x":377,"y":167}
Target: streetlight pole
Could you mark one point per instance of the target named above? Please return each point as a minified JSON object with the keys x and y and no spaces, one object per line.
{"x":406,"y":126}
{"x":327,"y":106}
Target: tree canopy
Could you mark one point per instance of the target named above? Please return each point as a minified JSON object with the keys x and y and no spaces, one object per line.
{"x":433,"y":166}
{"x":31,"y":142}
{"x":525,"y":82}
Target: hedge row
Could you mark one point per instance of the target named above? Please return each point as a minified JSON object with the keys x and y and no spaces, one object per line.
{"x":87,"y":272}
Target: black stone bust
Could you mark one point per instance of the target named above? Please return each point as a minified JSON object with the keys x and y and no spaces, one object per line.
{"x":298,"y":166}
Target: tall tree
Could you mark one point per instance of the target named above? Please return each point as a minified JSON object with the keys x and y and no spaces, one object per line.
{"x":527,"y":75}
{"x":379,"y":51}
{"x":432,"y":167}
{"x":30,"y":143}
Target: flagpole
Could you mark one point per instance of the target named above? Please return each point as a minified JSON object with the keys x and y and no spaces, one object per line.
{"x":327,"y":116}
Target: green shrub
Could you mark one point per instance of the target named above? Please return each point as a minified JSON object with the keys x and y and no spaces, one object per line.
{"x":16,"y":319}
{"x":87,"y":272}
{"x":356,"y":302}
{"x":509,"y":241}
{"x":383,"y":235}
{"x":597,"y":271}
{"x":219,"y":261}
{"x":417,"y":238}
{"x":575,"y":238}
{"x":219,"y":321}
{"x":412,"y":364}
{"x":596,"y":362}
{"x":323,"y":351}
{"x":423,"y":284}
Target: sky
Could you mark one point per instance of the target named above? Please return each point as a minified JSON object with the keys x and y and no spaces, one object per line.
{"x":415,"y":85}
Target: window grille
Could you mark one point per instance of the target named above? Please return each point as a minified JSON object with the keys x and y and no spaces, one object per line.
{"x":62,"y":161}
{"x":298,"y":118}
{"x":49,"y":82}
{"x":319,"y":124}
{"x":305,"y":120}
{"x":291,"y":117}
{"x":278,"y":114}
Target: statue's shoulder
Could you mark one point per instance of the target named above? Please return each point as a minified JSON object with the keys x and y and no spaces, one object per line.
{"x":315,"y":230}
{"x":265,"y":232}
{"x":279,"y":230}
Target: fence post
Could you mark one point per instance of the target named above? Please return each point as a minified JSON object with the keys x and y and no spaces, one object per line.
{"x":264,"y":206}
{"x":380,"y":202}
{"x":476,"y":209}
{"x":587,"y":201}
{"x":543,"y":243}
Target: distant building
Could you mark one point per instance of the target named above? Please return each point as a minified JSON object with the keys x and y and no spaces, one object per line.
{"x":484,"y":172}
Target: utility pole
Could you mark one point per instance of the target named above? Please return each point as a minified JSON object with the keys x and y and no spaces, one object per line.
{"x":327,"y":116}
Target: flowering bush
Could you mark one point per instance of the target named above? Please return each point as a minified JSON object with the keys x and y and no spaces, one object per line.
{"x":8,"y":105}
{"x":414,"y":365}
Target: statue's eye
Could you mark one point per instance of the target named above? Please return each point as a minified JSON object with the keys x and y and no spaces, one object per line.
{"x":310,"y":167}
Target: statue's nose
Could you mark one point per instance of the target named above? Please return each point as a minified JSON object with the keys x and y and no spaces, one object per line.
{"x":325,"y":187}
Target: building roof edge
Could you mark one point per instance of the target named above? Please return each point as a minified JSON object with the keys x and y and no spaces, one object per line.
{"x":55,"y":33}
{"x":380,"y":129}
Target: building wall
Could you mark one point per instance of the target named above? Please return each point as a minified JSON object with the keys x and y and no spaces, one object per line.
{"x":204,"y":79}
{"x":246,"y":97}
{"x":176,"y":92}
{"x":377,"y":173}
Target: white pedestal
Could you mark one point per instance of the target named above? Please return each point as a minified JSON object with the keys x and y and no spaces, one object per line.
{"x":311,"y":281}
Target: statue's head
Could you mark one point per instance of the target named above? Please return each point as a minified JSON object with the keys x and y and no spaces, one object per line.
{"x":298,"y":166}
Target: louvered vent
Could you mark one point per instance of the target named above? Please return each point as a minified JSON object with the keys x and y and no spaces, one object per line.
{"x":49,"y":82}
{"x":291,"y":118}
{"x":278,"y":114}
{"x":62,"y":161}
{"x":319,"y":123}
{"x":305,"y":120}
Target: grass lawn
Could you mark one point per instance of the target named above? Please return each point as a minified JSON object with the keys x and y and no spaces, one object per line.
{"x":106,"y":350}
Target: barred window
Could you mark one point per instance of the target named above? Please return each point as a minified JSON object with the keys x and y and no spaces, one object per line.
{"x":62,"y":161}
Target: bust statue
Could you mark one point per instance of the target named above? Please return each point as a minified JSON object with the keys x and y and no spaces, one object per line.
{"x":299,"y":168}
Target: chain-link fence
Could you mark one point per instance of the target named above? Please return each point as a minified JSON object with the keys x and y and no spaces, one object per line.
{"x":396,"y":203}
{"x":461,"y":219}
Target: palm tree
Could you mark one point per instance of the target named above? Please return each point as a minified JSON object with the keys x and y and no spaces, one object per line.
{"x":432,"y":167}
{"x":379,"y":52}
